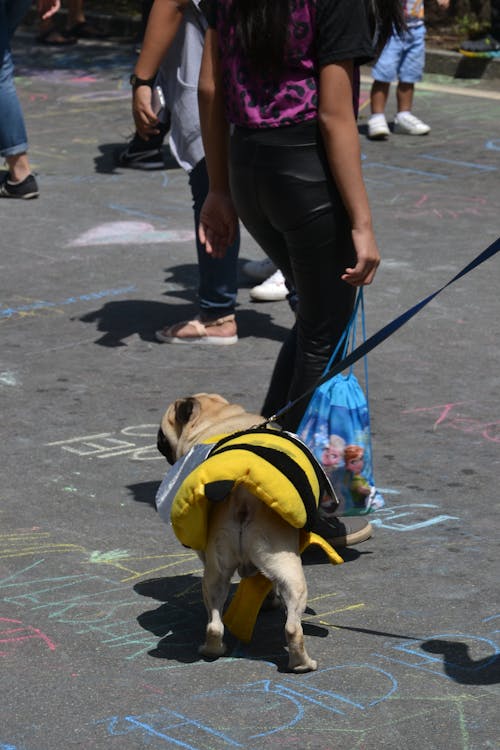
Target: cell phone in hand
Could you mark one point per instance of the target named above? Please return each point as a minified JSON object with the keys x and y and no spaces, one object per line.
{"x":157,"y":101}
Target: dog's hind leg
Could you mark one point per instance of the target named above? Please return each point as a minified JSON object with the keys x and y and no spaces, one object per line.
{"x":292,"y":589}
{"x":215,"y":590}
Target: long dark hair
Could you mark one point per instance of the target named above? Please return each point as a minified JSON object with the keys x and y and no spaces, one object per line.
{"x":385,"y":16}
{"x":261,"y":28}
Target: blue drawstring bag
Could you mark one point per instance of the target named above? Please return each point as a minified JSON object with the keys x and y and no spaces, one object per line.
{"x":336,"y":428}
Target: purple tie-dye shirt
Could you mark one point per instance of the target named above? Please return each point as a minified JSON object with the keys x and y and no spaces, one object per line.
{"x":254,"y":102}
{"x":320,"y":32}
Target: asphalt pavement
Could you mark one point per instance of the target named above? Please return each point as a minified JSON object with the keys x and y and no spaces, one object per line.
{"x":100,"y":606}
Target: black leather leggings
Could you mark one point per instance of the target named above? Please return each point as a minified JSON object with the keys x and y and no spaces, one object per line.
{"x":286,"y":198}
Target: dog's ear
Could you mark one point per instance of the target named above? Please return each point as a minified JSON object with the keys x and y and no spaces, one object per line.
{"x":186,"y":410}
{"x":165,"y":447}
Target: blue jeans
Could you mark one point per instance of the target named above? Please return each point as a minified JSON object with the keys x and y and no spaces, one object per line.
{"x":13,"y":138}
{"x":218,"y":276}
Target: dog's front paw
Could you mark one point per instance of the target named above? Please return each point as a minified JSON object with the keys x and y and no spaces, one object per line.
{"x":213,"y":650}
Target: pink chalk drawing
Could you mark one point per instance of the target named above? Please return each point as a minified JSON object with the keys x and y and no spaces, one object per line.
{"x":446,"y":415}
{"x":15,"y":632}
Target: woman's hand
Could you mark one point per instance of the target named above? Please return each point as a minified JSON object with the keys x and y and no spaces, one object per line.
{"x":218,"y":223}
{"x":368,"y":259}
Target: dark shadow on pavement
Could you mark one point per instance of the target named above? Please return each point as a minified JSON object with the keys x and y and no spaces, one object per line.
{"x":107,"y":160}
{"x":458,"y":665}
{"x":180,"y":624}
{"x":145,"y":492}
{"x":120,"y":319}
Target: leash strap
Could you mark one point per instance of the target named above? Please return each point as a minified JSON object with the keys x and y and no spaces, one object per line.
{"x":388,"y":330}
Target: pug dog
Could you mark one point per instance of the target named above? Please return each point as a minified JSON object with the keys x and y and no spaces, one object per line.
{"x":244,"y":533}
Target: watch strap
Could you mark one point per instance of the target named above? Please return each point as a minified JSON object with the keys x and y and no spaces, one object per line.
{"x":135,"y":81}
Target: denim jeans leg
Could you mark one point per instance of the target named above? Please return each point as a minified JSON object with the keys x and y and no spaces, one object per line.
{"x":13,"y":137}
{"x":218,"y":285}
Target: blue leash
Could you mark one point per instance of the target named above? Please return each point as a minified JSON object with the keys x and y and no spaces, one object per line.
{"x":387,"y":330}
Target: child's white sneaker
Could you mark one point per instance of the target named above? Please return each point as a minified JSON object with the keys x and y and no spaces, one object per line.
{"x":272,"y":289}
{"x":378,"y":129}
{"x":407,"y":124}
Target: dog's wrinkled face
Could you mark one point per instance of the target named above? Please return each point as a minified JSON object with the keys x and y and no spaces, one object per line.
{"x":176,"y":417}
{"x":196,"y":418}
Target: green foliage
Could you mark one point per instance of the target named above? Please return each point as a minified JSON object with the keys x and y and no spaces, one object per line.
{"x":470,"y":26}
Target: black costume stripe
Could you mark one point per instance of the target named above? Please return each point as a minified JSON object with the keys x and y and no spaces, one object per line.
{"x":323,"y":481}
{"x":291,"y":470}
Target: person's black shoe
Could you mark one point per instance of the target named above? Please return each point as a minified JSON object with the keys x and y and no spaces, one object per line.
{"x":25,"y":189}
{"x":141,"y":154}
{"x":343,"y":531}
{"x":488,"y":46}
{"x":151,"y":158}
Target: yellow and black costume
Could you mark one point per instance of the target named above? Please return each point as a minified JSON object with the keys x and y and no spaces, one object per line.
{"x":278,"y":469}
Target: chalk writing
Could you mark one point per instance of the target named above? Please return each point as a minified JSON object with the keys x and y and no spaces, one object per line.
{"x":9,"y":312}
{"x":15,"y":634}
{"x":408,"y":172}
{"x":104,"y":445}
{"x":446,"y":415}
{"x":441,"y":206}
{"x":130,"y":232}
{"x":466,"y":164}
{"x":424,"y":515}
{"x":28,"y":542}
{"x":8,"y":378}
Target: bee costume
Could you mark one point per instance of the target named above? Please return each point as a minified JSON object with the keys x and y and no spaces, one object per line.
{"x":273,"y":465}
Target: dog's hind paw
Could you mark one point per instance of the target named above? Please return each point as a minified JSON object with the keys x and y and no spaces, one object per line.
{"x":309,"y":666}
{"x":212,"y":651}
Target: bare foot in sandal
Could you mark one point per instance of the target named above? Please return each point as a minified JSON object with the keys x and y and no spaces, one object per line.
{"x":220,"y":331}
{"x":48,"y":34}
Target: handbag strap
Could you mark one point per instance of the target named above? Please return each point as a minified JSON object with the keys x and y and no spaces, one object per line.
{"x":389,"y":329}
{"x":348,"y":337}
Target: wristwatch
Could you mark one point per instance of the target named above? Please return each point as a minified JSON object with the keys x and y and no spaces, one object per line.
{"x":135,"y":81}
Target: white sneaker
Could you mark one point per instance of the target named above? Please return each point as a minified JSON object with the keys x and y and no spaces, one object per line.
{"x":259,"y":269}
{"x":378,"y":129}
{"x":272,"y":289}
{"x":407,"y":124}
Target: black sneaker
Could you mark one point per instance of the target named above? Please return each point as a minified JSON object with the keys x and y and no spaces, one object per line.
{"x":25,"y":189}
{"x":342,"y":531}
{"x":151,"y":158}
{"x":488,"y":46}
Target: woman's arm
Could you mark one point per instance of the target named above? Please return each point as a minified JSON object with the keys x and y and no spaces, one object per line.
{"x":341,"y":139}
{"x":218,"y":219}
{"x":163,"y":24}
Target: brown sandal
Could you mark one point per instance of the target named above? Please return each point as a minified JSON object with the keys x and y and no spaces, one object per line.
{"x":54,"y":38}
{"x":197,"y":331}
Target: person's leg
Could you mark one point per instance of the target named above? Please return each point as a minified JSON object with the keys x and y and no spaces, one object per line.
{"x":76,"y":14}
{"x":378,"y":97}
{"x":291,"y":208}
{"x":404,"y":96}
{"x":411,"y":71}
{"x":284,"y":199}
{"x":383,"y":72}
{"x":78,"y":26}
{"x":218,"y":284}
{"x":13,"y":136}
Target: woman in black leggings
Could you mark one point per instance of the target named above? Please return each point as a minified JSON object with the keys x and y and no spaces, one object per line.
{"x":293,"y":174}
